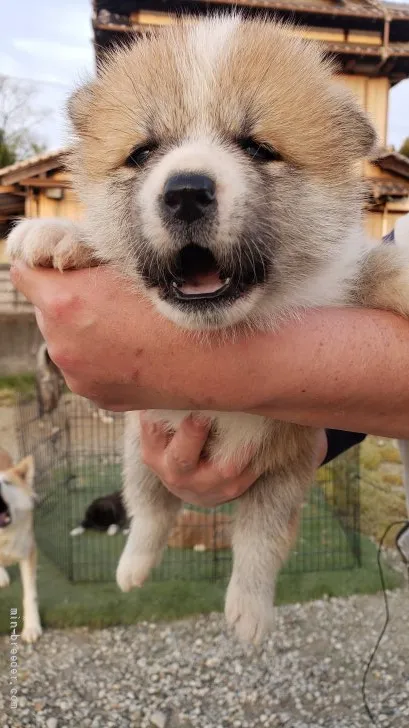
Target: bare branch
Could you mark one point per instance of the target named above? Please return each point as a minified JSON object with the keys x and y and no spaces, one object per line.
{"x":19,"y":116}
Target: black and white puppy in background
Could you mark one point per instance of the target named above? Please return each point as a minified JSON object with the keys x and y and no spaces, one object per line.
{"x":106,"y":513}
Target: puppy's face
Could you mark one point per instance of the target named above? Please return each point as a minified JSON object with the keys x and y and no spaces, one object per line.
{"x":217,"y":163}
{"x":16,"y":494}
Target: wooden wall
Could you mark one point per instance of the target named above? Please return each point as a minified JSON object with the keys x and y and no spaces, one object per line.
{"x":3,"y":257}
{"x":372,"y":94}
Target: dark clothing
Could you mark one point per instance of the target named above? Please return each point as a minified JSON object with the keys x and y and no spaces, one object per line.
{"x":340,"y":441}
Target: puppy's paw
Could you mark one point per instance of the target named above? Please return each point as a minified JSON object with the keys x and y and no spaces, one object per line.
{"x":134,"y":568}
{"x":31,"y":632}
{"x":50,"y":243}
{"x":4,"y":578}
{"x":250,"y":614}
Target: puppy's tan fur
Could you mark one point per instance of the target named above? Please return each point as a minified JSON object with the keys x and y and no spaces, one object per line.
{"x":17,"y":541}
{"x":195,"y":89}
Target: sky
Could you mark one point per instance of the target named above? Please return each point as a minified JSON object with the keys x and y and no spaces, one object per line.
{"x":50,"y":42}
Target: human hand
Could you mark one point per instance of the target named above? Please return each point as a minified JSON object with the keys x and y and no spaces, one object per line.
{"x":108,"y":340}
{"x":176,"y":460}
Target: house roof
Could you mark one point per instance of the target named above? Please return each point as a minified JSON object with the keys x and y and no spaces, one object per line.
{"x":350,"y":8}
{"x":371,"y":8}
{"x":114,"y":19}
{"x":34,"y":165}
{"x":381,"y":190}
{"x":394,"y":162}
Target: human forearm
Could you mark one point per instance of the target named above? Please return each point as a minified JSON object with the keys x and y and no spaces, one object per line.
{"x":342,"y":369}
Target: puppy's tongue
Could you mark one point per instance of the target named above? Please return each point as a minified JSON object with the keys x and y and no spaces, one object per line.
{"x":203,"y":283}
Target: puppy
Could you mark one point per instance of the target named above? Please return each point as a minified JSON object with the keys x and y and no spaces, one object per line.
{"x":201,"y":531}
{"x":17,"y":543}
{"x":218,"y":162}
{"x":104,"y":514}
{"x":49,"y":381}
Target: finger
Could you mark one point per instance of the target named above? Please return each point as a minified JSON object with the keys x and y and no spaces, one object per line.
{"x":40,"y":320}
{"x":154,"y":439}
{"x":208,"y":483}
{"x":216,"y":497}
{"x":205,"y":487}
{"x":31,"y":281}
{"x":185,"y":448}
{"x":321,"y":448}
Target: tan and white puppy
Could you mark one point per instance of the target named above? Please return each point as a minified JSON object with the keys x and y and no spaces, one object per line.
{"x":17,"y":542}
{"x":218,"y":162}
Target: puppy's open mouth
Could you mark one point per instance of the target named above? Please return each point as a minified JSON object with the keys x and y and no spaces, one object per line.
{"x":198,"y":277}
{"x":5,"y":517}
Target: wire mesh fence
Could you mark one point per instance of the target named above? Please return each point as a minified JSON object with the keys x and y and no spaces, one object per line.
{"x":78,"y":456}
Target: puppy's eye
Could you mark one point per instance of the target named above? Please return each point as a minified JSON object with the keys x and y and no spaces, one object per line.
{"x":260,"y":152}
{"x":140,"y":155}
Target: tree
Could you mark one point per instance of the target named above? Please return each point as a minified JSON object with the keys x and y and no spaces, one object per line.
{"x":405,"y":147}
{"x":7,"y":156}
{"x":18,"y":120}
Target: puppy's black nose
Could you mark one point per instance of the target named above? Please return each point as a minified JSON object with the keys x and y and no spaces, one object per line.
{"x":189,"y":196}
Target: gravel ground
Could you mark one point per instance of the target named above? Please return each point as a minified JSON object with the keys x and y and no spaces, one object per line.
{"x":192,"y":674}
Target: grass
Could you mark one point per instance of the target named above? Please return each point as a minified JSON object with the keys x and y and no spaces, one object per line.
{"x":96,"y":605}
{"x":381,"y":489}
{"x":14,"y":385}
{"x":323,"y":542}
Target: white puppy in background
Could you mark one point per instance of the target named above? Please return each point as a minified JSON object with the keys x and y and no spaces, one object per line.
{"x":17,"y":542}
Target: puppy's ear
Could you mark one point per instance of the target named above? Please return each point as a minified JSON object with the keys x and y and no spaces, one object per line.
{"x":360,"y":138}
{"x":25,"y":470}
{"x":79,"y":107}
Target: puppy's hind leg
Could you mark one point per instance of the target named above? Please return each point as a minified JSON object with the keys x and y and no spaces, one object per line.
{"x":264,"y":529}
{"x":153,"y":511}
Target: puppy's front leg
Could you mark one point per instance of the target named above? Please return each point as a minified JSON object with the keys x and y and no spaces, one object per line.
{"x":32,"y":626}
{"x":264,"y":530}
{"x":153,"y":511}
{"x":50,"y":243}
{"x":4,"y":578}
